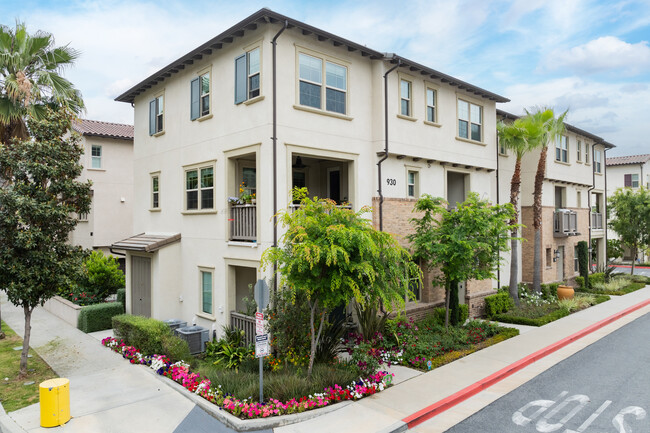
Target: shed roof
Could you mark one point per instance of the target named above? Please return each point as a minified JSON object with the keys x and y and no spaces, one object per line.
{"x":146,"y":242}
{"x":98,"y":128}
{"x":630,"y":159}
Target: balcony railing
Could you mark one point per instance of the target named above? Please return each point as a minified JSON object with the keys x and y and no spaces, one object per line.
{"x":244,"y":323}
{"x":596,"y":221}
{"x":243,"y":222}
{"x":565,"y":223}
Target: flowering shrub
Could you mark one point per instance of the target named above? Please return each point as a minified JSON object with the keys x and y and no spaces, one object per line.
{"x":246,"y":409}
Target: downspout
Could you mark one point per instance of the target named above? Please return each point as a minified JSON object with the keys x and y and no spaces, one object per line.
{"x":275,"y":151}
{"x":498,"y":203}
{"x":593,"y":185}
{"x":385,"y":157}
{"x":605,"y":203}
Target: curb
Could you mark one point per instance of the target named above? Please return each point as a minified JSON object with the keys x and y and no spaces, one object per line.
{"x":447,"y":403}
{"x":7,"y":424}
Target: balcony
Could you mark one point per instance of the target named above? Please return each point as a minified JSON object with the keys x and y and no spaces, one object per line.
{"x":565,"y":223}
{"x":596,"y":221}
{"x":243,"y":223}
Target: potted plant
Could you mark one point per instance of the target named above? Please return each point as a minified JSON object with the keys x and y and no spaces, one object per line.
{"x":565,"y":292}
{"x":244,"y":194}
{"x":253,"y":199}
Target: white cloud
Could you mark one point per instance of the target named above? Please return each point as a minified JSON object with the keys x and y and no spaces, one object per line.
{"x":607,"y":53}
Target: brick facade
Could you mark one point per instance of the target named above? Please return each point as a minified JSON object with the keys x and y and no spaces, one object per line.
{"x":548,"y":241}
{"x":397,"y":213}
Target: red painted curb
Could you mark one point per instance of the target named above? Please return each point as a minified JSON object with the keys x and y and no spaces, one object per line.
{"x":462,"y":395}
{"x":629,"y":266}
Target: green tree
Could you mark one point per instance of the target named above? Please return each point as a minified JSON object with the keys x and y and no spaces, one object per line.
{"x":30,"y":79}
{"x":520,"y":137}
{"x":631,"y":218}
{"x":464,"y":243}
{"x":552,"y":128}
{"x":38,"y":204}
{"x":101,"y":275}
{"x":334,"y":255}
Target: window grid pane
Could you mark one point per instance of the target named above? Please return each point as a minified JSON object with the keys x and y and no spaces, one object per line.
{"x":206,"y":292}
{"x":310,"y":95}
{"x":431,"y":101}
{"x":336,"y":76}
{"x":311,"y":68}
{"x":463,"y":129}
{"x":463,"y":110}
{"x":335,"y":101}
{"x":253,"y":61}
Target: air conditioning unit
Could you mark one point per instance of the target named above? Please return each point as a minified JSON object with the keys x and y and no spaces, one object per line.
{"x":175,"y":324}
{"x":195,"y":336}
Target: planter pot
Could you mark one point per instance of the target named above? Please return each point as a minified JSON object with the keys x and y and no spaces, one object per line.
{"x":254,"y":201}
{"x":565,"y":292}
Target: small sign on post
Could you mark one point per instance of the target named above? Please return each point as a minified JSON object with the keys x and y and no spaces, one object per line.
{"x":261,"y":295}
{"x":262,"y":347}
{"x":259,"y":323}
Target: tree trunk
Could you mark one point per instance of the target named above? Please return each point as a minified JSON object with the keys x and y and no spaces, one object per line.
{"x":634,"y":256}
{"x":314,"y":337}
{"x":448,"y":284}
{"x":2,"y":334}
{"x":454,"y":307}
{"x":514,"y":269}
{"x":537,"y":220}
{"x":28,"y":331}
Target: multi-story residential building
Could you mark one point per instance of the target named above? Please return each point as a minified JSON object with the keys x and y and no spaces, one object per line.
{"x":107,"y":162}
{"x":631,"y":171}
{"x":573,"y":202}
{"x":300,"y":107}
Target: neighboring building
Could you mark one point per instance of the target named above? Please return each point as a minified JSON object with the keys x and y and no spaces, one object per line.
{"x":628,"y":172}
{"x":108,"y":163}
{"x":573,"y":202}
{"x":202,"y":127}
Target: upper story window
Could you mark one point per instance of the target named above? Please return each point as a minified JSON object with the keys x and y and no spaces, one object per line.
{"x":155,"y":191}
{"x":199,"y":188}
{"x":579,"y":151}
{"x":200,"y":96}
{"x":156,"y":111}
{"x":586,"y":153}
{"x":597,"y":161}
{"x":502,"y":148}
{"x":412,"y":184}
{"x":405,"y":88}
{"x":248,"y":76}
{"x":96,"y":156}
{"x":431,"y":105}
{"x":632,"y":180}
{"x":470,"y":120}
{"x":311,"y":88}
{"x":562,"y":149}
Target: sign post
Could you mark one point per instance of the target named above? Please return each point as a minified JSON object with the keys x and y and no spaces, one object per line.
{"x":262,"y":347}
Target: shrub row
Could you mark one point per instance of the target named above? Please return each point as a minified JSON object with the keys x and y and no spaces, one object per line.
{"x":539,"y":321}
{"x":121,"y":297}
{"x":98,"y":317}
{"x":151,"y":336}
{"x":439,"y":314}
{"x":497,"y":304}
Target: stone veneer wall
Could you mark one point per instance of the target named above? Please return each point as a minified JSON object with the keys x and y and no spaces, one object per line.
{"x":549,"y":270}
{"x":397,"y":213}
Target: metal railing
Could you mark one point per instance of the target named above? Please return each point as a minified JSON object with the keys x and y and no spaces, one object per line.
{"x":596,"y":221}
{"x":565,"y":223}
{"x":243,"y":222}
{"x":243,"y":322}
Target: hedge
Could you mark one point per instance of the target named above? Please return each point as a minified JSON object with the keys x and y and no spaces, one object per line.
{"x":439,"y":314}
{"x":98,"y":317}
{"x":497,"y":304}
{"x":539,"y":321}
{"x":151,"y":336}
{"x":121,"y":297}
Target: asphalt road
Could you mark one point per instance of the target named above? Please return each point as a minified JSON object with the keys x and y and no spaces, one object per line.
{"x":637,"y":271}
{"x":601,"y":389}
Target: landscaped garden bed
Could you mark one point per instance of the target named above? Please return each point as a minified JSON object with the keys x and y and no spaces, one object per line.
{"x":614,"y":284}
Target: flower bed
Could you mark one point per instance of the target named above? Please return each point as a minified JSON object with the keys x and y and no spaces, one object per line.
{"x":247,"y":408}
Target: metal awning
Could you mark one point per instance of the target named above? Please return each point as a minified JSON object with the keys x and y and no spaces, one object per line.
{"x":146,"y":242}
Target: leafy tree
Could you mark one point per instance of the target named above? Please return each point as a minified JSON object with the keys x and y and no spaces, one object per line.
{"x":583,"y":261}
{"x":38,"y":204}
{"x":631,"y":218}
{"x":552,"y":128}
{"x":102,"y":275}
{"x":464,"y":243}
{"x":520,"y":137}
{"x":614,"y":248}
{"x":334,"y":255}
{"x":30,"y":80}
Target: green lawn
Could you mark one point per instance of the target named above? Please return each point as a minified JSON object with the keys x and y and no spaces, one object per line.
{"x":14,"y":394}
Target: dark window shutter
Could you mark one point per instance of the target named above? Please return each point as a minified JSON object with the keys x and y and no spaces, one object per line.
{"x":241,"y":78}
{"x":194,"y":100}
{"x":628,"y":180}
{"x":152,"y":117}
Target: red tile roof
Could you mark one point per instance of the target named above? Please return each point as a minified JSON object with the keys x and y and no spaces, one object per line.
{"x":103,"y":129}
{"x":630,"y":159}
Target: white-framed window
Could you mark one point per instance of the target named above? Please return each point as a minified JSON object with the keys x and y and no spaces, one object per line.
{"x":579,"y":151}
{"x":200,"y":96}
{"x":562,"y":148}
{"x":405,"y":102}
{"x":502,"y":148}
{"x":587,"y":154}
{"x":96,"y":156}
{"x":206,"y":282}
{"x":313,"y":90}
{"x":470,"y":121}
{"x":199,"y":188}
{"x":156,"y":115}
{"x":432,"y":96}
{"x":155,"y":191}
{"x":576,"y":266}
{"x":412,"y":184}
{"x":631,"y":180}
{"x":598,"y":162}
{"x":248,"y":75}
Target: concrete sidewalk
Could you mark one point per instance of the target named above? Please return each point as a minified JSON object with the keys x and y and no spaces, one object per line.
{"x":110,"y":395}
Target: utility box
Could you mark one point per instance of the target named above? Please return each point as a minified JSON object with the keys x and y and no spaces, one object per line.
{"x":175,"y":324}
{"x":196,"y":337}
{"x":54,"y":395}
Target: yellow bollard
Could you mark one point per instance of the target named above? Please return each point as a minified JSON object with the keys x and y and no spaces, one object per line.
{"x":55,"y":402}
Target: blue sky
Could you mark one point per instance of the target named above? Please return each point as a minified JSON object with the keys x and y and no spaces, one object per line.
{"x":591,"y":57}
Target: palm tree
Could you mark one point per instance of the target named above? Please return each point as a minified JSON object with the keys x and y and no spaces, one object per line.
{"x":552,"y":127}
{"x":520,"y":136}
{"x":30,"y":80}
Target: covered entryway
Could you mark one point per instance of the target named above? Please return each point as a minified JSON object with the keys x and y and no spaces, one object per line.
{"x":141,"y":286}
